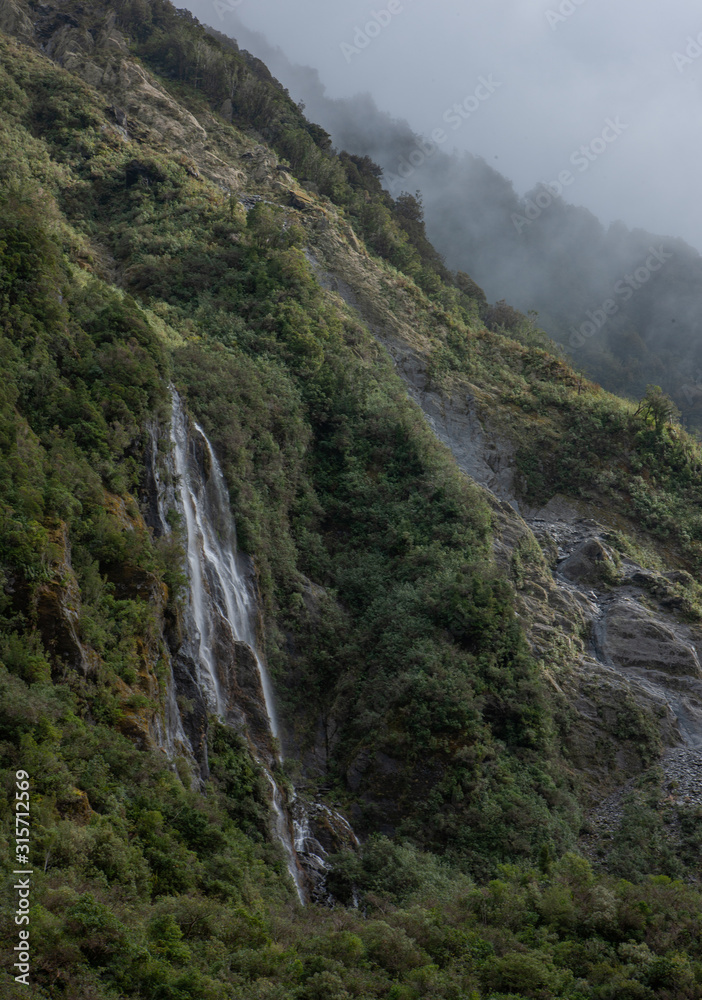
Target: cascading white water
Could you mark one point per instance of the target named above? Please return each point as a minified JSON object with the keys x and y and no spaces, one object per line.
{"x":220,"y":593}
{"x":217,"y":580}
{"x":168,"y":729}
{"x":159,"y":487}
{"x":282,"y":829}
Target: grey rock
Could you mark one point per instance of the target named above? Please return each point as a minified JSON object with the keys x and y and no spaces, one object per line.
{"x":589,"y":562}
{"x":633,"y":638}
{"x":15,"y":19}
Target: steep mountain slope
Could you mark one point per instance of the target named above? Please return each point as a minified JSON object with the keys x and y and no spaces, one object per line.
{"x":538,"y":251}
{"x":614,"y":624}
{"x":453,"y":659}
{"x":329,"y":501}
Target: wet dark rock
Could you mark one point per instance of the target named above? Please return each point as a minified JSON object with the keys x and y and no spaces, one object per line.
{"x":591,"y":562}
{"x":193,"y":709}
{"x":150,"y":489}
{"x":56,"y":608}
{"x":319,"y":832}
{"x":57,"y":625}
{"x":245,"y":698}
{"x":356,"y":769}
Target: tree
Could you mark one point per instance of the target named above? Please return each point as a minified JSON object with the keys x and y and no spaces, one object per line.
{"x":657,"y":405}
{"x":504,"y":317}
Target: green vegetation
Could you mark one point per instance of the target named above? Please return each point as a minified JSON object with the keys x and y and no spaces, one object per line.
{"x":417,"y":660}
{"x":392,"y":636}
{"x":573,"y":438}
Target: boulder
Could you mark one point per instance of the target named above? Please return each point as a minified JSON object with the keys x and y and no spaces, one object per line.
{"x":590,"y":562}
{"x":300,"y":201}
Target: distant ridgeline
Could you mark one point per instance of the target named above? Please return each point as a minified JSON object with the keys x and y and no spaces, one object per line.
{"x":466,"y":574}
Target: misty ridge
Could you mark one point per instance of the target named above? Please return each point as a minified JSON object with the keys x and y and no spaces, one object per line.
{"x":625,"y":305}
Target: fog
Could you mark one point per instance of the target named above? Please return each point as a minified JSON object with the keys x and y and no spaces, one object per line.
{"x":563,"y":67}
{"x":555,"y":147}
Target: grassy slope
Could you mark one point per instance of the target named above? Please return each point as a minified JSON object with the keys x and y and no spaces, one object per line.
{"x":333,"y":476}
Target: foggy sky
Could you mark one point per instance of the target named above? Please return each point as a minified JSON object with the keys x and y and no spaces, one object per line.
{"x":557,"y":71}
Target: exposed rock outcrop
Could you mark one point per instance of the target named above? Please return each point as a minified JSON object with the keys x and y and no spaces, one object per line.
{"x":627,"y":699}
{"x":590,"y":562}
{"x":635,"y":638}
{"x":15,"y":20}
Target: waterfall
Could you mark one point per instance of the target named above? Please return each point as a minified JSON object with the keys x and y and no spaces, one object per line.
{"x":218,"y":580}
{"x":282,"y":831}
{"x":168,"y":731}
{"x":218,"y":668}
{"x":221,"y":617}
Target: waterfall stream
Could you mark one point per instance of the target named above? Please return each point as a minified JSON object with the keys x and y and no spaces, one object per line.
{"x":221,"y":616}
{"x":218,"y":582}
{"x":218,"y":668}
{"x":169,"y":732}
